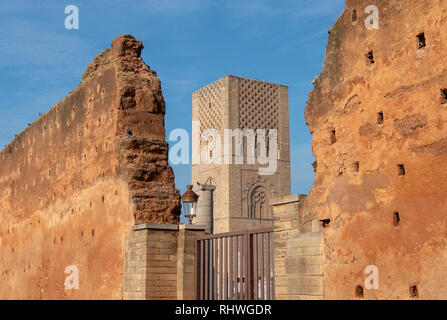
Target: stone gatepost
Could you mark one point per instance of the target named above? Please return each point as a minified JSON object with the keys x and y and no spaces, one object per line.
{"x":159,"y":262}
{"x":297,"y":251}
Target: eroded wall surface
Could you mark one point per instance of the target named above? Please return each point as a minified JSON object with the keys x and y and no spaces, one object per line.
{"x":75,"y":181}
{"x":378,"y":117}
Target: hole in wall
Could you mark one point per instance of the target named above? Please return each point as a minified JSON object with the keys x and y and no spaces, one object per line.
{"x":400,"y":169}
{"x":82,"y":233}
{"x":444,"y":95}
{"x":414,"y":292}
{"x":333,"y":137}
{"x":396,"y":219}
{"x":325,"y":223}
{"x":421,"y":40}
{"x":315,"y":165}
{"x":102,"y":199}
{"x":370,"y":57}
{"x":93,"y":232}
{"x":356,"y":166}
{"x":359,"y":291}
{"x":354,"y":15}
{"x":380,"y":118}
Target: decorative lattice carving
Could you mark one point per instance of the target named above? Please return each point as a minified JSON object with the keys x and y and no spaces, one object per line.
{"x":210,"y":106}
{"x":258,"y":104}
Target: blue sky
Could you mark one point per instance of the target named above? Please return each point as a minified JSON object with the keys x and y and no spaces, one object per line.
{"x":190,"y":43}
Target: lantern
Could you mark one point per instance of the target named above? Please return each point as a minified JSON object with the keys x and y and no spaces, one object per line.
{"x":190,"y":199}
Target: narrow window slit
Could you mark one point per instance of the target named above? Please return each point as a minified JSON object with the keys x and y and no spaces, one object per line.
{"x":356,"y":166}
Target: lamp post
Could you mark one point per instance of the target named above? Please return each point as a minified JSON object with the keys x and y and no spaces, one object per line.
{"x":190,"y":199}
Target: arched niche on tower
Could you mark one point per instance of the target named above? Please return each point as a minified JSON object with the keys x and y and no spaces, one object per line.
{"x":259,"y":202}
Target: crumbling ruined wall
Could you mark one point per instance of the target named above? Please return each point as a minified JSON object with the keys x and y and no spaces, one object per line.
{"x":74,"y":182}
{"x":378,"y":116}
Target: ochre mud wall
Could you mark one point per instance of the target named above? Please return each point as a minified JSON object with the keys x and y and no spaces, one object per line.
{"x":75,"y":181}
{"x":378,"y":116}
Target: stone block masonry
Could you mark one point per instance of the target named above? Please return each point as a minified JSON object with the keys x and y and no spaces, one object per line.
{"x":75,"y":181}
{"x":297,"y":251}
{"x":159,"y":262}
{"x":242,"y":198}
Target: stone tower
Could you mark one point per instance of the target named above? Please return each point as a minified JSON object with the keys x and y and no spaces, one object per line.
{"x":243,"y":194}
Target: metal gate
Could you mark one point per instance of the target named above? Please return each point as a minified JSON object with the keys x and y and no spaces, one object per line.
{"x":235,"y":266}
